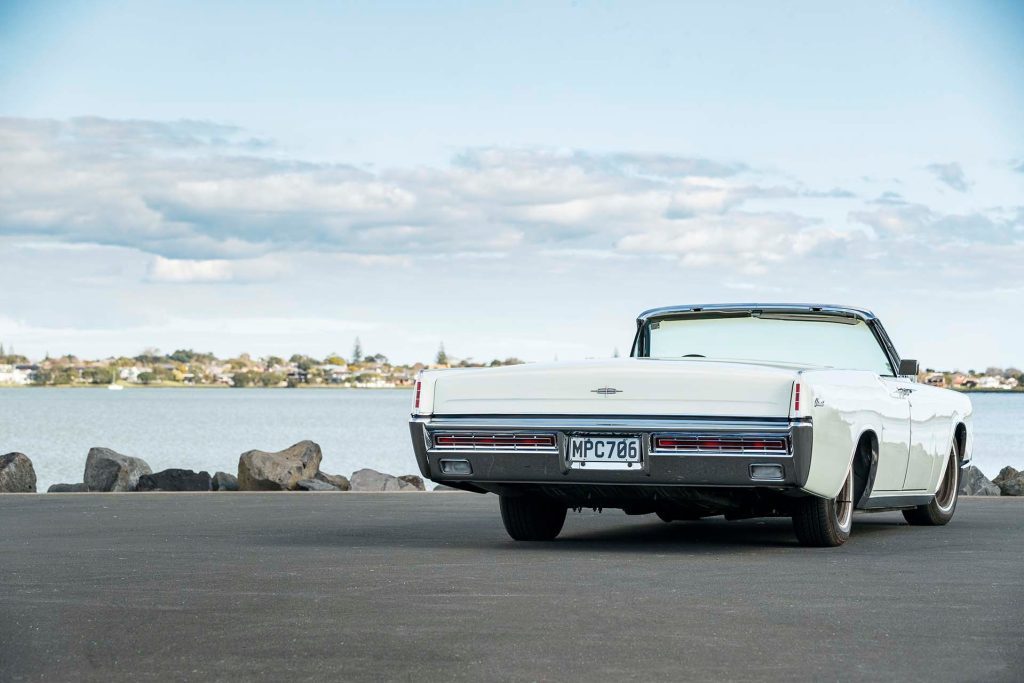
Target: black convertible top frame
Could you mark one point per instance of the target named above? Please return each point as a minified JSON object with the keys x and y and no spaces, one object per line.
{"x":641,"y":339}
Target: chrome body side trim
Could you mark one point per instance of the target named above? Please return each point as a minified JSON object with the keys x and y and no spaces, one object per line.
{"x":605,"y":423}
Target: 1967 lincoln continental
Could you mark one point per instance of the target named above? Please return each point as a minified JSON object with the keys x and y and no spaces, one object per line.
{"x":742,"y":410}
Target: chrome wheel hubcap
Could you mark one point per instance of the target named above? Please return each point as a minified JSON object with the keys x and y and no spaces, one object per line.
{"x":844,"y":503}
{"x":946,"y":495}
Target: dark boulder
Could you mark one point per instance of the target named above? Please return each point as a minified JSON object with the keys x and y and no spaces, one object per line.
{"x":315,"y":485}
{"x":336,"y":480}
{"x":175,"y":480}
{"x":974,"y":483}
{"x":67,"y":488}
{"x":17,"y":474}
{"x":222,"y":481}
{"x":108,"y":470}
{"x":1010,"y":482}
{"x":280,"y":471}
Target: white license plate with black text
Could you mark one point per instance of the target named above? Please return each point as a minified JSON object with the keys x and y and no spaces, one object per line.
{"x":604,"y":452}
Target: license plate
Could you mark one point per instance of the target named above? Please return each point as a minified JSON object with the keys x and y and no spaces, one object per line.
{"x":604,"y":452}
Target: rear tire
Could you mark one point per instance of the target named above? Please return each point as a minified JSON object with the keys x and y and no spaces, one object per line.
{"x":823,"y":522}
{"x":943,"y":505}
{"x":529,"y":518}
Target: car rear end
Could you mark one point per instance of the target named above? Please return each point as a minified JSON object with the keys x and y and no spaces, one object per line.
{"x":614,"y":433}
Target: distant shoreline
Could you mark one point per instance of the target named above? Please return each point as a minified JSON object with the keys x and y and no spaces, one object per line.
{"x":194,"y":386}
{"x":331,"y":387}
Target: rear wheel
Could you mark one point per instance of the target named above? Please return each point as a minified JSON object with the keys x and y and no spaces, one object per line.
{"x":528,"y":518}
{"x":823,"y":522}
{"x":941,"y":509}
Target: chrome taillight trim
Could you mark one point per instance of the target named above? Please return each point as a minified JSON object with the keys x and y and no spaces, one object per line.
{"x":493,"y":442}
{"x":720,"y":443}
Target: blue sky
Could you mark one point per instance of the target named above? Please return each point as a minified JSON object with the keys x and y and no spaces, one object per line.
{"x":511,"y":179}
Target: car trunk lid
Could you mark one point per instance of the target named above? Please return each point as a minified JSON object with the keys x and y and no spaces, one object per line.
{"x":631,"y":386}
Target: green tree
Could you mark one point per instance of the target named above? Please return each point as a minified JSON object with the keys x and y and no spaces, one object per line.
{"x":147,"y":377}
{"x":243,"y":379}
{"x":303,"y":362}
{"x":357,"y":351}
{"x":442,"y":357}
{"x":182,"y":356}
{"x":98,"y":375}
{"x":271,"y":379}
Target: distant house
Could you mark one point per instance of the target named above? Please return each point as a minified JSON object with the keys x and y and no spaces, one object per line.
{"x":936,"y":380}
{"x":17,"y":374}
{"x":132,"y":374}
{"x":997,"y":382}
{"x":334,"y":374}
{"x":375,"y":383}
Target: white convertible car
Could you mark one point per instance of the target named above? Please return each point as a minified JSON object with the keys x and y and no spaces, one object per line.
{"x":742,"y":410}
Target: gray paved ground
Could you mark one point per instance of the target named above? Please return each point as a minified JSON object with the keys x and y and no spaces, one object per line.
{"x":426,"y":586}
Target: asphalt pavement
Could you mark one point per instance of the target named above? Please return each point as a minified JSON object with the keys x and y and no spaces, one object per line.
{"x":426,"y":586}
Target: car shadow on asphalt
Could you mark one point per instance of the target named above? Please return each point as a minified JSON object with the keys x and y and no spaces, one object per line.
{"x":613,"y":534}
{"x":710,"y":534}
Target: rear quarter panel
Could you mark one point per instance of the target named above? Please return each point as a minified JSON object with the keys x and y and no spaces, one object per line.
{"x":843,"y":404}
{"x":937,"y":412}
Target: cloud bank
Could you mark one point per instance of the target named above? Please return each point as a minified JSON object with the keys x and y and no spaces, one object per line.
{"x":212,"y":204}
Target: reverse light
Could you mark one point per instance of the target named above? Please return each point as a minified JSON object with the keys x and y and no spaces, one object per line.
{"x":457,"y":467}
{"x":769,"y":472}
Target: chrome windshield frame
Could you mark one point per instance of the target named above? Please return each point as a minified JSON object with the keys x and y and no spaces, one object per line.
{"x":641,"y":340}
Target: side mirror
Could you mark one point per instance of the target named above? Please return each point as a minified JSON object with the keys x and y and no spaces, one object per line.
{"x":908,"y":367}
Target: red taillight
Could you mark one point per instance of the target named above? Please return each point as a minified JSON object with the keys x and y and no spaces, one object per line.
{"x":796,"y":397}
{"x":493,"y":441}
{"x":419,"y":385}
{"x":719,"y":444}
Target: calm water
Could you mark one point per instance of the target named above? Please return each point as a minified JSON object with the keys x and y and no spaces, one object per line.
{"x":207,"y":429}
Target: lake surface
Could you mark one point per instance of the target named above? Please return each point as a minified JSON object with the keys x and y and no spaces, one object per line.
{"x":207,"y":429}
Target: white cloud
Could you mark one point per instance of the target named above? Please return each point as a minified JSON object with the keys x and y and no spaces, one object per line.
{"x":746,"y":241}
{"x":211,"y":206}
{"x":185,"y":270}
{"x":204,"y":199}
{"x":213,"y":270}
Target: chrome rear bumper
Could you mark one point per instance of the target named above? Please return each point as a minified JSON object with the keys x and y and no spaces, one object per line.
{"x":509,"y":463}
